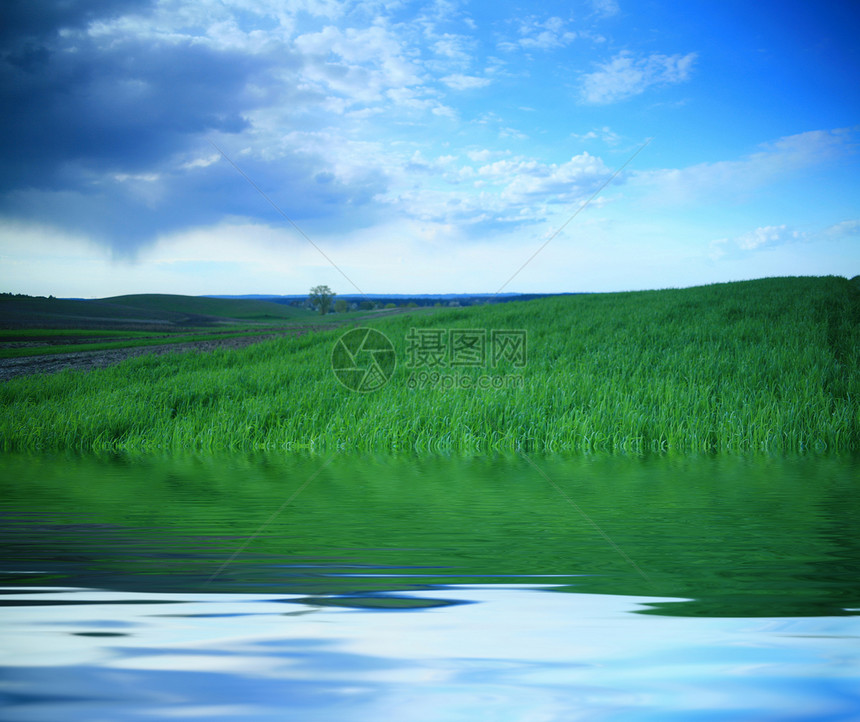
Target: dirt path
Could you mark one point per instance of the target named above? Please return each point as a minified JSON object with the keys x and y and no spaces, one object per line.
{"x":87,"y":360}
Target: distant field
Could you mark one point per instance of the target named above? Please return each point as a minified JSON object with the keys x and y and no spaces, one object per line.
{"x":144,"y":311}
{"x":770,"y":365}
{"x":49,"y":326}
{"x":244,"y":309}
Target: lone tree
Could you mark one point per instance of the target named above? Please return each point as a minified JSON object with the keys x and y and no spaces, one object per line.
{"x":321,"y":297}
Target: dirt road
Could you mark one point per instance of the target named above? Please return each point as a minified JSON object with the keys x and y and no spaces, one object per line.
{"x":87,"y":360}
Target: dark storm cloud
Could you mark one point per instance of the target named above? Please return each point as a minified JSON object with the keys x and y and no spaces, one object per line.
{"x":77,"y":105}
{"x":296,"y":183}
{"x":126,"y":215}
{"x":121,"y":108}
{"x":25,"y":22}
{"x":97,"y":129}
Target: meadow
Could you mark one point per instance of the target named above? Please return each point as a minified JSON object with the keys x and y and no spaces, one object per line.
{"x":767,"y":365}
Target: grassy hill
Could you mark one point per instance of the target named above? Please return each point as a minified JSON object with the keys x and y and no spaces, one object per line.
{"x":240,"y":309}
{"x":769,"y":365}
{"x":138,"y":311}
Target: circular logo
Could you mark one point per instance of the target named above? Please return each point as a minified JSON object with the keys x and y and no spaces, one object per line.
{"x":363,"y":359}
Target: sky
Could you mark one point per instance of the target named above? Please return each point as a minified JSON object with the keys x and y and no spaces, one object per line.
{"x":267,"y":146}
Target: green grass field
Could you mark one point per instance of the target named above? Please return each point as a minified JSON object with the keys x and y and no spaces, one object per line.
{"x":768,"y":365}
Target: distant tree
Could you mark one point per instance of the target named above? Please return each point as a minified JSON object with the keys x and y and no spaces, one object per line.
{"x":341,"y":306}
{"x":321,"y":298}
{"x":390,"y":305}
{"x":412,"y":304}
{"x":366,"y":305}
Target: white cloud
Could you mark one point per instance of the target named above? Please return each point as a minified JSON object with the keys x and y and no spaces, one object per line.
{"x":718,"y":249}
{"x":844,"y":229}
{"x":531,"y":182}
{"x":507,"y":192}
{"x":545,"y":35}
{"x":483,"y":155}
{"x":465,"y":82}
{"x":454,"y":47}
{"x":778,"y":160}
{"x":535,"y":34}
{"x":625,"y":76}
{"x":357,"y":64}
{"x":346,"y":158}
{"x":605,"y":134}
{"x":444,"y":111}
{"x":605,"y":8}
{"x":512,"y":133}
{"x":201,"y":162}
{"x":767,"y":236}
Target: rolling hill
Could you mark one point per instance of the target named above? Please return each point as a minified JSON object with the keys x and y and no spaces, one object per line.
{"x":140,"y":311}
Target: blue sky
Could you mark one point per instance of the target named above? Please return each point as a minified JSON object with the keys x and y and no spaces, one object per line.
{"x":424,"y":146}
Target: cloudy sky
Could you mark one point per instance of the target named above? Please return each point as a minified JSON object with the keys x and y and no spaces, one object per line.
{"x":424,"y":146}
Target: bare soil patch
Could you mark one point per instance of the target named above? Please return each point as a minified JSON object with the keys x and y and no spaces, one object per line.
{"x":88,"y":360}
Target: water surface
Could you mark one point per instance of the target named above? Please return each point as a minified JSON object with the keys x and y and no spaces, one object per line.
{"x":430,"y":588}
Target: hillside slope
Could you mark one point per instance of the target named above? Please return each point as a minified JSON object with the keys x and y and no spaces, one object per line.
{"x":139,"y":311}
{"x":241,"y":309}
{"x":769,"y":365}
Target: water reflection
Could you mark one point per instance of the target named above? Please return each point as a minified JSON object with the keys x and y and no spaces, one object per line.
{"x":732,"y":536}
{"x":429,"y":588}
{"x":509,"y":653}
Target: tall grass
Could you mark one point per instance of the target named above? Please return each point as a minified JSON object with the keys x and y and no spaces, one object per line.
{"x":760,"y":365}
